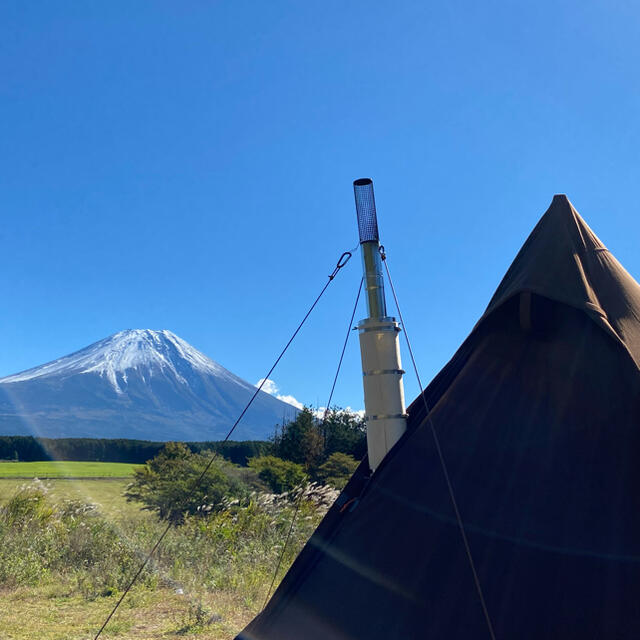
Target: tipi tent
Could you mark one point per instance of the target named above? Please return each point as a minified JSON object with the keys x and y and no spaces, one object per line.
{"x":538,"y":416}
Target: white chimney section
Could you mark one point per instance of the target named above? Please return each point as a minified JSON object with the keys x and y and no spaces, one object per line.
{"x":379,"y":344}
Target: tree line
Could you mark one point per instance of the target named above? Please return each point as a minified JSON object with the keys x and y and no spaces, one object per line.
{"x":307,"y":441}
{"x":33,"y":449}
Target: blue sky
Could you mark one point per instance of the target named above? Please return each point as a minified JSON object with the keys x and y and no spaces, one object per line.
{"x":188,"y":166}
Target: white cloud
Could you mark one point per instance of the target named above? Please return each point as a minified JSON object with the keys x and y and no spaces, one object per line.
{"x":290,"y":400}
{"x":358,"y":412}
{"x":271,"y":388}
{"x":319,"y":412}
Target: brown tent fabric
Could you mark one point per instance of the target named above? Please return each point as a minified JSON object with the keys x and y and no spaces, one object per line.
{"x":563,"y":260}
{"x":538,"y":416}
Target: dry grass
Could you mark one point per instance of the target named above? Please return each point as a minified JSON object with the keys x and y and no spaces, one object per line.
{"x":51,"y":614}
{"x":63,"y":567}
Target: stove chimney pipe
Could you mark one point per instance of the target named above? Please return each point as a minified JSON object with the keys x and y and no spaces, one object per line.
{"x":379,"y":345}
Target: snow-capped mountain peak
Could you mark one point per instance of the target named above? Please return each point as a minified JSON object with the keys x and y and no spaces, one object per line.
{"x":113,"y":357}
{"x":144,"y":384}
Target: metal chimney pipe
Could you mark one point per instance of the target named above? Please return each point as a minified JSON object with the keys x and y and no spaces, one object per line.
{"x":379,"y":344}
{"x":370,"y":243}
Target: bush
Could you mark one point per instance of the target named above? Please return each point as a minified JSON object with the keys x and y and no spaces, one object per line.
{"x":27,"y":506}
{"x":279,"y":475}
{"x":172,"y":485}
{"x":337,"y":470}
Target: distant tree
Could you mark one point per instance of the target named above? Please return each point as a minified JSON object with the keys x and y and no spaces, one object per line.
{"x":337,"y":469}
{"x":236,"y":452}
{"x":166,"y":483}
{"x":344,"y":432}
{"x":278,"y":474}
{"x":300,"y":441}
{"x":310,"y":441}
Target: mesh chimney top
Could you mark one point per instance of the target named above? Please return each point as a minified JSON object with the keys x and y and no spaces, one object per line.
{"x":366,"y":210}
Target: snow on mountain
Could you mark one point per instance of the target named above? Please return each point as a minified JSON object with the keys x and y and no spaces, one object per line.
{"x":137,"y":384}
{"x":133,"y":349}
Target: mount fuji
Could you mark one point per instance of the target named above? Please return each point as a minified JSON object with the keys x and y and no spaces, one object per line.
{"x":141,"y":384}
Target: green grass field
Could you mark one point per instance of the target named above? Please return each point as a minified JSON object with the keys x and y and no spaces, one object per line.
{"x":100,"y":483}
{"x":56,"y":469}
{"x":106,"y":493}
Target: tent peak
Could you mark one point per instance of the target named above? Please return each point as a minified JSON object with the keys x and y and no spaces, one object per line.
{"x":560,"y":201}
{"x":563,"y":260}
{"x":562,"y":209}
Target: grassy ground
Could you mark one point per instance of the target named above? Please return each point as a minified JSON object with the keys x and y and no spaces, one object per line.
{"x":207,"y":580}
{"x":100,"y":483}
{"x":50,"y":614}
{"x":56,"y":469}
{"x":106,"y":493}
{"x":56,"y":611}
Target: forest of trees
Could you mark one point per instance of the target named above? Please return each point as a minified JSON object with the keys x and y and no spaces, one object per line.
{"x":31,"y":449}
{"x":307,"y":441}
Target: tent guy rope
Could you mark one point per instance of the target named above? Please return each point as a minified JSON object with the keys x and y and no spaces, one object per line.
{"x":324,"y":420}
{"x":342,"y":261}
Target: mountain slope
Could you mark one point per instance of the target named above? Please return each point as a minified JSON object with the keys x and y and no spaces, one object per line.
{"x":136,"y":384}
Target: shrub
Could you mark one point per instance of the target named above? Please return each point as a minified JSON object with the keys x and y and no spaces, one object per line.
{"x":27,"y":505}
{"x":337,"y":470}
{"x":279,"y":475}
{"x":171,"y":484}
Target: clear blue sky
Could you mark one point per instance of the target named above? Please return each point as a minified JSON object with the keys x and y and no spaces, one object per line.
{"x":188,"y":166}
